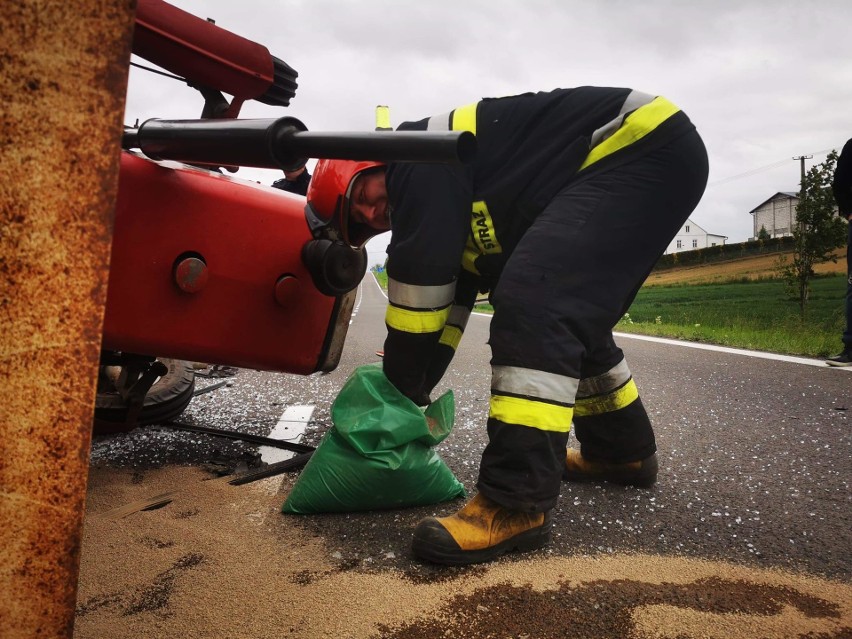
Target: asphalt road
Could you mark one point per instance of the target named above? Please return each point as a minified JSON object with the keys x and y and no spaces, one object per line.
{"x":755,"y":453}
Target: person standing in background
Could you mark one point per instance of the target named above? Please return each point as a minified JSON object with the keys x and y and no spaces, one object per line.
{"x":294,"y":181}
{"x":842,"y":188}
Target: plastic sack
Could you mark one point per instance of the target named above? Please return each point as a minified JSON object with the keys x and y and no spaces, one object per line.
{"x":378,"y":454}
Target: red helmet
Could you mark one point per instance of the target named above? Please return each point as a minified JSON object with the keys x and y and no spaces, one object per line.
{"x":328,"y":196}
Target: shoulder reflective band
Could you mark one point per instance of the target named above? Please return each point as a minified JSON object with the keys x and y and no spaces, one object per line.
{"x":409,"y":321}
{"x":614,"y":378}
{"x":634,"y":100}
{"x":531,"y":413}
{"x":636,"y":126}
{"x":533,"y":383}
{"x":439,"y":122}
{"x":417,"y":297}
{"x":461,"y":119}
{"x":617,"y":399}
{"x":464,"y":118}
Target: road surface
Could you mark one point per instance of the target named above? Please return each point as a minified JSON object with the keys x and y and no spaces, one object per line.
{"x":747,"y":532}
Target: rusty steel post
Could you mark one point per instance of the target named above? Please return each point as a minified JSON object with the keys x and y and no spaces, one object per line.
{"x":63,"y":77}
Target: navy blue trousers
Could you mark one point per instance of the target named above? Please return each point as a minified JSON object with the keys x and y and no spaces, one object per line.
{"x":570,"y":279}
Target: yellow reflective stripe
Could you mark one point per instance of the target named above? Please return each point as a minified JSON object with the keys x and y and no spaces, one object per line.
{"x":482,"y":229}
{"x":409,"y":321}
{"x":464,"y":118}
{"x":451,"y":336}
{"x":383,"y":118}
{"x":528,"y":412}
{"x":615,"y":400}
{"x":633,"y":101}
{"x":469,"y":257}
{"x":636,"y":126}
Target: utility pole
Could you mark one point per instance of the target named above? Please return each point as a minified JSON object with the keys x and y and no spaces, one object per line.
{"x":801,"y":159}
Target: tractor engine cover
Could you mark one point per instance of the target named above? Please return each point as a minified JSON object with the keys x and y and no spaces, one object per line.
{"x":208,"y":268}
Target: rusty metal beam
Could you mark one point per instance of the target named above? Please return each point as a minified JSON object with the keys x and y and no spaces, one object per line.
{"x":63,"y":77}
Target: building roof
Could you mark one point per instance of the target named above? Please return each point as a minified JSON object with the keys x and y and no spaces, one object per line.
{"x":789,"y":195}
{"x":691,"y":222}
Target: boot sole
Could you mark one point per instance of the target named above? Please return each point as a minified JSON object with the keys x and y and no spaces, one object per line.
{"x":428,"y":547}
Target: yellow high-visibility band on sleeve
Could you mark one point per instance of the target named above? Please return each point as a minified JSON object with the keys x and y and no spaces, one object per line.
{"x":464,"y":118}
{"x":525,"y":412}
{"x":409,"y":321}
{"x":608,"y":403}
{"x":636,"y":126}
{"x":451,"y":336}
{"x":469,"y":258}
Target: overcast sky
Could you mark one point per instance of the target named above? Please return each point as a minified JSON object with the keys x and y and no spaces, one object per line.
{"x":763,"y":81}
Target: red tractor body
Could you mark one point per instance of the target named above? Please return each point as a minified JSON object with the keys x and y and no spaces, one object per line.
{"x":208,"y":268}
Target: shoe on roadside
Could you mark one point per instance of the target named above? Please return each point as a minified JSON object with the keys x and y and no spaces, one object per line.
{"x":481,"y":531}
{"x":844,"y":359}
{"x":641,"y":473}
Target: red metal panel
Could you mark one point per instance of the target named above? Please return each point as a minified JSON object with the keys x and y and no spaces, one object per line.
{"x":197,"y":49}
{"x":254,"y":307}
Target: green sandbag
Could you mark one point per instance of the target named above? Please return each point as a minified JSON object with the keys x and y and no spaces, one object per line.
{"x":378,"y":453}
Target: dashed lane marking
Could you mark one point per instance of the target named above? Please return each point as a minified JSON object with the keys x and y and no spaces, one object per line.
{"x":290,"y":428}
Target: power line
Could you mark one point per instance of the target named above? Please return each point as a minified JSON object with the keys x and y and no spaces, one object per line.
{"x":759,"y":169}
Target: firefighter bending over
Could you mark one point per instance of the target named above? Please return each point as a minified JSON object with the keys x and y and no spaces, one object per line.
{"x":574,"y":195}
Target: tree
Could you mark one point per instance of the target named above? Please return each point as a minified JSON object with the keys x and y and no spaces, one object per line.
{"x":763,"y":234}
{"x":818,"y":230}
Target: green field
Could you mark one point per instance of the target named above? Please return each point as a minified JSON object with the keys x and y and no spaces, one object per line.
{"x":759,"y":315}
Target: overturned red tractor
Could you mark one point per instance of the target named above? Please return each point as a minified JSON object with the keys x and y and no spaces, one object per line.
{"x":209,"y":268}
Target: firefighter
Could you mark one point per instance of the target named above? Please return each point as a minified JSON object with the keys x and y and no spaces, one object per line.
{"x":573,"y":196}
{"x":295,"y":181}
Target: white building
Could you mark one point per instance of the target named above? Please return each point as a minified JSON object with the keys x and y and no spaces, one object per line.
{"x":691,"y":237}
{"x":777,"y":215}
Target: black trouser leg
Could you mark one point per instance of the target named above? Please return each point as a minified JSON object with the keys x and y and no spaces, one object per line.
{"x":565,"y":286}
{"x":608,"y":429}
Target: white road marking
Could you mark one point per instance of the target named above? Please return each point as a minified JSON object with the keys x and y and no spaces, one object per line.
{"x":290,"y":428}
{"x":359,"y":297}
{"x":734,"y":351}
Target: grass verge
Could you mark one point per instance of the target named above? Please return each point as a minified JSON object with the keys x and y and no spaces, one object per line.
{"x":757,"y":315}
{"x":752,"y":314}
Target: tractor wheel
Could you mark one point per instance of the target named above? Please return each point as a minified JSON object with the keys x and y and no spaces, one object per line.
{"x":167,"y":398}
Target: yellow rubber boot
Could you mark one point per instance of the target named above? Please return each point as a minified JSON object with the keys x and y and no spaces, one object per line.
{"x":641,"y":473}
{"x":480,"y":531}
